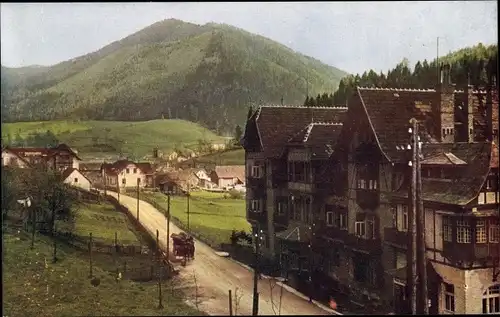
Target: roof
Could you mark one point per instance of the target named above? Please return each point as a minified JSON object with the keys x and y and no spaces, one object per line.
{"x":443,"y":159}
{"x":231,"y":171}
{"x":275,"y":125}
{"x":389,"y":112}
{"x":320,"y":137}
{"x":460,"y":191}
{"x":67,"y":172}
{"x":119,"y":165}
{"x":6,"y":149}
{"x":295,"y":233}
{"x":43,"y":152}
{"x":90,"y":166}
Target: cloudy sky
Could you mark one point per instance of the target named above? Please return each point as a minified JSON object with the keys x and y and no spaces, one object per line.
{"x":353,"y":36}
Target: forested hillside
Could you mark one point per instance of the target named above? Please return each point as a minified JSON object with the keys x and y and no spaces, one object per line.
{"x":208,"y":74}
{"x":472,"y":65}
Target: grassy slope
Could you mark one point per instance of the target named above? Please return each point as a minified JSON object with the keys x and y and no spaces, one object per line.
{"x":210,"y":214}
{"x":211,"y":73}
{"x":63,"y":289}
{"x":135,"y":138}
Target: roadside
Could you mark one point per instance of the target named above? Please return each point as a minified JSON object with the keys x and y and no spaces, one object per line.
{"x":211,"y":277}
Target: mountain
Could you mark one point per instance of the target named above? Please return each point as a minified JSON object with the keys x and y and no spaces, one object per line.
{"x":208,"y":74}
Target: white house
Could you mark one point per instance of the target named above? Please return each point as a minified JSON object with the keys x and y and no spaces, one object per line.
{"x":11,"y":158}
{"x":74,"y":177}
{"x":127,"y":174}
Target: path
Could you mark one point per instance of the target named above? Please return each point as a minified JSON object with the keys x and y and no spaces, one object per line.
{"x":216,"y":275}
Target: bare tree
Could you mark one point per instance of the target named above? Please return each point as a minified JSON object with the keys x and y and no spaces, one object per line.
{"x":237,"y":299}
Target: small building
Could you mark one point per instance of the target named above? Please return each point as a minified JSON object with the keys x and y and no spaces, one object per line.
{"x":228,"y":176}
{"x":59,"y":157}
{"x":181,"y":181}
{"x":12,"y":159}
{"x":127,"y":174}
{"x":74,"y":177}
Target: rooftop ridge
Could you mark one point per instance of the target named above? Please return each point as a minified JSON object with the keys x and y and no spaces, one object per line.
{"x":304,"y":107}
{"x":417,"y":90}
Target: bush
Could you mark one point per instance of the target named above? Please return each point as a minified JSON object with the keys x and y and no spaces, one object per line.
{"x":235,"y":194}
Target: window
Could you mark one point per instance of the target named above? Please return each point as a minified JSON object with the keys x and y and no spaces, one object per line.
{"x":360,"y":228}
{"x":362,"y":184}
{"x":488,"y":184}
{"x":135,"y":170}
{"x":447,"y":229}
{"x":76,"y":180}
{"x":329,"y":219}
{"x":256,"y":171}
{"x":449,"y":297}
{"x":255,"y":205}
{"x":370,"y":228}
{"x":480,"y":231}
{"x":281,"y":208}
{"x":340,"y":220}
{"x":491,"y":300}
{"x":405,"y":218}
{"x":494,"y":233}
{"x":463,"y":231}
{"x":470,"y":131}
{"x":124,"y":181}
{"x":394,"y":213}
{"x":128,"y":171}
{"x":444,"y":132}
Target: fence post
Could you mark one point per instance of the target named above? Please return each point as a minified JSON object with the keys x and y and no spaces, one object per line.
{"x":90,"y":253}
{"x":230,"y":304}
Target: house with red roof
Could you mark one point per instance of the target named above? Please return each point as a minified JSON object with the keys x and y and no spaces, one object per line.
{"x":59,"y":157}
{"x":228,"y":176}
{"x":124,"y":174}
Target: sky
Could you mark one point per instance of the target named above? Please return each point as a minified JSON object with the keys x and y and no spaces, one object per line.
{"x":353,"y":36}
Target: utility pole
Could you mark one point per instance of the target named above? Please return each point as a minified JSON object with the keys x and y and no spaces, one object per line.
{"x":118,"y":188}
{"x":105,"y":178}
{"x":255,"y":307}
{"x":168,"y":226}
{"x":160,"y":305}
{"x":138,"y":180}
{"x":311,"y":264}
{"x":437,"y":61}
{"x":412,"y":252}
{"x":422,"y":249}
{"x":188,"y":194}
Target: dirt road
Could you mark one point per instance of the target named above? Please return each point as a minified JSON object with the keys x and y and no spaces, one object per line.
{"x":216,"y":275}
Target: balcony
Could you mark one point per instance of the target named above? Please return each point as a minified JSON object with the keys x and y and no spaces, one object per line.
{"x":368,"y":198}
{"x":279,"y":179}
{"x":260,"y":217}
{"x":370,"y":246}
{"x":395,"y":237}
{"x":256,"y":182}
{"x":467,"y":252}
{"x":300,"y":187}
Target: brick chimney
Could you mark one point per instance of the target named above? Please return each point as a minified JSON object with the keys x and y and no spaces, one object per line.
{"x":469,"y":110}
{"x":492,"y":110}
{"x":445,"y":109}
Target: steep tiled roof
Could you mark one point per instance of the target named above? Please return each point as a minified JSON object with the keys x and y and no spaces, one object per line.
{"x":230,"y":171}
{"x":320,"y":137}
{"x":42,"y":152}
{"x":390,"y":110}
{"x":67,"y":172}
{"x":472,"y":175}
{"x":276,"y":125}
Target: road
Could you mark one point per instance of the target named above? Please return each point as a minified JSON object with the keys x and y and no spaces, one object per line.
{"x":216,"y":275}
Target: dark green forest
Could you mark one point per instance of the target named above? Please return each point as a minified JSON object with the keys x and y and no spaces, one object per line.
{"x":475,"y":65}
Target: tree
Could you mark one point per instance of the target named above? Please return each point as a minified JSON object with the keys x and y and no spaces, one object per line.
{"x":238,"y":133}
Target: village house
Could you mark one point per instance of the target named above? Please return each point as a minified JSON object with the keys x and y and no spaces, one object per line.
{"x":59,"y":157}
{"x":74,"y":177}
{"x":124,"y":174}
{"x":228,"y":176}
{"x":177,"y":182}
{"x":329,"y":190}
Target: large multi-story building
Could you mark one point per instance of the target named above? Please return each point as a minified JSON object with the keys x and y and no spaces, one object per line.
{"x":60,"y":157}
{"x":329,"y":187}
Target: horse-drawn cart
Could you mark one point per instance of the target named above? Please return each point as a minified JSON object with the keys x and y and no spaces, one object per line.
{"x":183,"y":246}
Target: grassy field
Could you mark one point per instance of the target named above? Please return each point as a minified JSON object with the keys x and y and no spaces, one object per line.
{"x":135,"y":139}
{"x":34,"y":286}
{"x":91,"y":217}
{"x":211,"y":215}
{"x":231,"y":157}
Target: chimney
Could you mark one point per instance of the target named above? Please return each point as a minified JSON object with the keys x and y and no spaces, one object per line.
{"x":492,"y":110}
{"x":445,"y":108}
